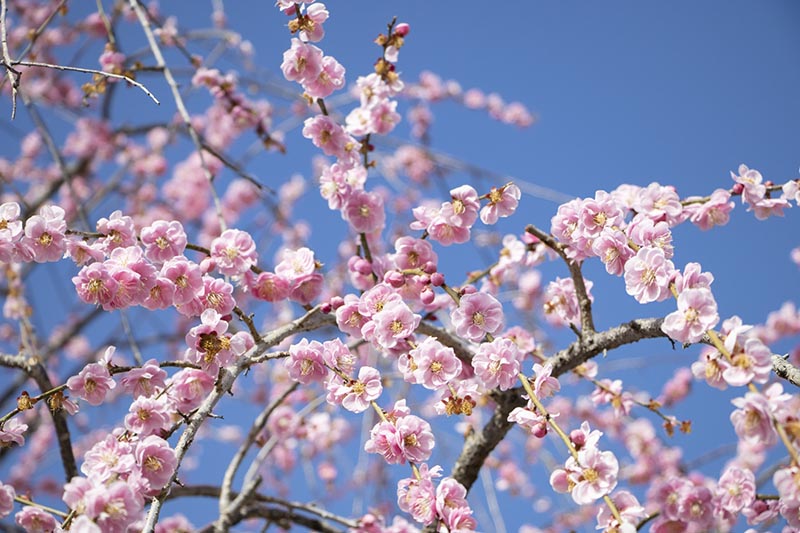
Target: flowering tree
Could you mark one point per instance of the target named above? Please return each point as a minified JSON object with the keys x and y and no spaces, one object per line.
{"x":198,"y":345}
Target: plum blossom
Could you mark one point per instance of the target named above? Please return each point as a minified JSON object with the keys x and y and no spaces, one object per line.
{"x":435,"y":364}
{"x":305,"y":362}
{"x":561,"y":301}
{"x":477,"y":314}
{"x":92,"y":383}
{"x":358,"y":394}
{"x":394,"y":323}
{"x":647,"y":275}
{"x":163,"y":240}
{"x":409,"y":438}
{"x":11,"y":433}
{"x":234,"y":252}
{"x":696,"y":314}
{"x":736,"y":489}
{"x":7,"y":495}
{"x":145,"y":380}
{"x":302,"y":62}
{"x":44,"y":238}
{"x":751,"y":363}
{"x":589,"y":477}
{"x":35,"y":520}
{"x":156,"y":460}
{"x":502,"y":203}
{"x":497,"y":363}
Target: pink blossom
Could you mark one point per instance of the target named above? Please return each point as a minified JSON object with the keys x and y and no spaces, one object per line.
{"x":497,"y":363}
{"x":647,"y":275}
{"x":696,"y":314}
{"x":119,"y":231}
{"x":188,"y":388}
{"x":531,"y":420}
{"x":645,"y":232}
{"x":753,"y":363}
{"x":713,"y":212}
{"x":394,"y":323}
{"x":95,"y":285}
{"x":234,"y":252}
{"x":267,"y":286}
{"x":736,"y":489}
{"x":374,"y":300}
{"x":217,"y":294}
{"x":364,"y":211}
{"x":462,"y":210}
{"x":295,"y":263}
{"x":753,"y":420}
{"x":477,"y":314}
{"x":144,"y":381}
{"x":147,"y":416}
{"x":108,"y":458}
{"x":156,"y":460}
{"x":599,"y":213}
{"x":113,"y":507}
{"x":305,"y":363}
{"x":502,"y":203}
{"x":329,"y":79}
{"x":45,"y":234}
{"x":186,"y":276}
{"x":659,"y":203}
{"x":411,"y":253}
{"x":92,"y":383}
{"x":348,"y":318}
{"x":561,"y":301}
{"x":436,"y":364}
{"x":329,"y":136}
{"x":11,"y":432}
{"x":35,"y":520}
{"x":630,"y":510}
{"x":589,"y":478}
{"x":544,"y":385}
{"x":302,"y":62}
{"x":163,"y":240}
{"x":710,"y":367}
{"x":360,"y":392}
{"x":408,"y":439}
{"x":692,"y":278}
{"x":10,"y":230}
{"x":7,"y":495}
{"x":417,"y":496}
{"x":611,"y":246}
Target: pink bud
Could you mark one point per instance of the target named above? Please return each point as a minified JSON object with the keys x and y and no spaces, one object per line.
{"x":337,"y":302}
{"x":427,"y":296}
{"x":577,"y":437}
{"x":429,"y":267}
{"x":737,"y":188}
{"x":394,"y":278}
{"x":539,"y":431}
{"x":326,"y":308}
{"x":468,"y":289}
{"x":402,"y":29}
{"x":437,"y":279}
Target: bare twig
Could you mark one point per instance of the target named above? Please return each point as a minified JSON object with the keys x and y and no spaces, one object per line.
{"x":8,"y":63}
{"x":176,"y":94}
{"x":257,"y":427}
{"x":32,"y":367}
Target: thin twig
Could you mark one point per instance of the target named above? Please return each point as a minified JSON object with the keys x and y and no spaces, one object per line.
{"x":176,"y":94}
{"x":130,"y":80}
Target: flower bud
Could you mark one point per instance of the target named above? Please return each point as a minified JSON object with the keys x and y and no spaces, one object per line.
{"x":402,"y":29}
